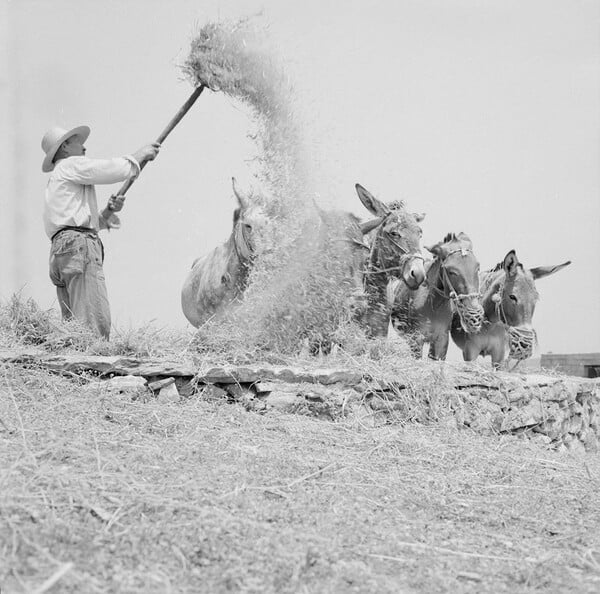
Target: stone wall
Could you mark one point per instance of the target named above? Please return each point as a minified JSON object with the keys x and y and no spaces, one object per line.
{"x":560,"y":410}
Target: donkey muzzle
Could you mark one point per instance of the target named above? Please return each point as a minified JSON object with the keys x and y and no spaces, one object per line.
{"x":521,"y":342}
{"x":471,"y":313}
{"x":414,"y":273}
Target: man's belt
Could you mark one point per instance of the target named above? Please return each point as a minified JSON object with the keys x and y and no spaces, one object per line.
{"x":79,"y":229}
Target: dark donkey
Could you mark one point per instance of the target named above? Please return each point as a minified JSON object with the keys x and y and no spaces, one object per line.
{"x":509,"y":296}
{"x":452,"y":286}
{"x":394,"y":253}
{"x":219,"y":278}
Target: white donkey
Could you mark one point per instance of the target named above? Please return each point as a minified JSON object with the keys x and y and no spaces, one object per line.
{"x":220,"y":277}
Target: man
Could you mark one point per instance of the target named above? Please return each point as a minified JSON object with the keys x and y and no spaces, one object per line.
{"x":72,"y":220}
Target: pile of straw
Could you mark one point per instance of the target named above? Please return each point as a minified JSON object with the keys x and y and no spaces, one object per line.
{"x":23,"y":324}
{"x":299,"y":288}
{"x":232,"y":58}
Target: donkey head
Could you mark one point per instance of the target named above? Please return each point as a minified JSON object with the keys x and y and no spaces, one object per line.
{"x":455,"y":276}
{"x":248,"y":220}
{"x":511,"y":298}
{"x":396,"y":245}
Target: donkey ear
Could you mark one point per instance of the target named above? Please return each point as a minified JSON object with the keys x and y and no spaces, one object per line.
{"x":511,"y":264}
{"x":374,"y":206}
{"x":368,"y":226}
{"x":242,"y":198}
{"x":542,"y":271}
{"x":435,"y":249}
{"x":419,"y":216}
{"x":462,"y":235}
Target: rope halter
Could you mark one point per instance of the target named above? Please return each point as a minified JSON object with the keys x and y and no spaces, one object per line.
{"x":471,"y":316}
{"x":242,"y":242}
{"x":405,"y":257}
{"x":521,"y":339}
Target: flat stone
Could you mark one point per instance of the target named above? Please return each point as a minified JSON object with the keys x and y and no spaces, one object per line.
{"x":169,"y":393}
{"x":264,"y":387}
{"x":125,"y":383}
{"x":118,"y":365}
{"x":242,"y":374}
{"x":228,"y":375}
{"x":160,"y":384}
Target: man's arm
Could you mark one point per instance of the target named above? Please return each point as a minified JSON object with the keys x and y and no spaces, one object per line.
{"x":85,"y":170}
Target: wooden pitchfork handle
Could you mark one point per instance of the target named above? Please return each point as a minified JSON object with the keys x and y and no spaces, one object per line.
{"x":176,"y":119}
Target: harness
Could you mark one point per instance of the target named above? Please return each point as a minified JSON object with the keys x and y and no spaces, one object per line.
{"x":471,"y":316}
{"x":521,"y":341}
{"x":243,"y":248}
{"x":372,"y":268}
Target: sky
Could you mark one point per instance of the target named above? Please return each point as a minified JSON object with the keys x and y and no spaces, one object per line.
{"x":483,"y":114}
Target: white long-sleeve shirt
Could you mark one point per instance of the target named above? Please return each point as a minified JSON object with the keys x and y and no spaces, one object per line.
{"x":71,"y":195}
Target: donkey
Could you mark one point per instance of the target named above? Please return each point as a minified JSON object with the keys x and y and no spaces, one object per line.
{"x":509,"y":297}
{"x":452,"y":286}
{"x":394,"y":253}
{"x":220,"y":277}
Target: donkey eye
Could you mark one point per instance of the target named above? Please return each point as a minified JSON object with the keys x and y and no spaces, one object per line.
{"x":513,"y":298}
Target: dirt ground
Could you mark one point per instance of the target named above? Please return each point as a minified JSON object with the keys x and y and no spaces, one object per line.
{"x":103,"y":493}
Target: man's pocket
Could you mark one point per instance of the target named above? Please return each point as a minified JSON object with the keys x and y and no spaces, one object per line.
{"x":68,"y":257}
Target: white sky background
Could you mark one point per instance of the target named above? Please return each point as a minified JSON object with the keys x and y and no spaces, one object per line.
{"x":483,"y":114}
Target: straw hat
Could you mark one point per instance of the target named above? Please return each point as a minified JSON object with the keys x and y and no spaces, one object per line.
{"x":54,"y":138}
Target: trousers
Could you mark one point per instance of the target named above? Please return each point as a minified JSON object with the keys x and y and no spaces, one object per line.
{"x":76,"y":259}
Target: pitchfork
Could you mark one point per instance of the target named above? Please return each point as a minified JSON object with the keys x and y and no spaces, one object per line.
{"x":163,"y":135}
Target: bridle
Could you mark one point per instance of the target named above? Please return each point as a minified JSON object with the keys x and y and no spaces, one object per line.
{"x":243,"y":247}
{"x":452,"y":294}
{"x":521,"y":341}
{"x":406,"y":256}
{"x":471,"y":316}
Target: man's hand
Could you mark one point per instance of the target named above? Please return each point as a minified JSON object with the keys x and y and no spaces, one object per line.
{"x":147,"y":152}
{"x":115,"y":203}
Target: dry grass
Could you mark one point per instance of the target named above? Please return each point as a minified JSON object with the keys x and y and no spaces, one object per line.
{"x":23,"y":323}
{"x":287,"y":335}
{"x":104,"y":492}
{"x":101,"y":493}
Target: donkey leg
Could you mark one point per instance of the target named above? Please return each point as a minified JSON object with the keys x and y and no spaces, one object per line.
{"x":497,"y":354}
{"x":438,"y":348}
{"x":416,"y":342}
{"x":470,"y":352}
